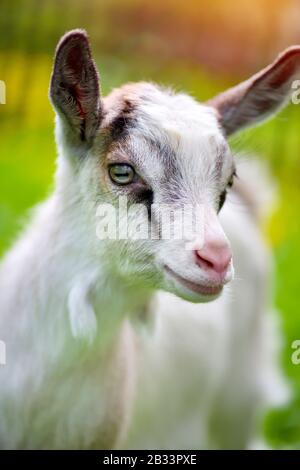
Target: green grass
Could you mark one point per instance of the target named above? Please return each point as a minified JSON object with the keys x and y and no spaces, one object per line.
{"x":27,"y":156}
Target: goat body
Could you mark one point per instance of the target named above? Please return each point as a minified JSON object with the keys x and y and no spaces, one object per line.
{"x":103,"y":349}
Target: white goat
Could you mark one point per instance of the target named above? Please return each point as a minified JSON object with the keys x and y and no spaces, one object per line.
{"x":68,"y":299}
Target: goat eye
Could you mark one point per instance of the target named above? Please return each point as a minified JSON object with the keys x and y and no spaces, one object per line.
{"x":223,"y":195}
{"x":121,"y":173}
{"x":222,"y":200}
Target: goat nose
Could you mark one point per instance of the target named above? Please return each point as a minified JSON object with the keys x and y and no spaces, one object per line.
{"x":214,"y":257}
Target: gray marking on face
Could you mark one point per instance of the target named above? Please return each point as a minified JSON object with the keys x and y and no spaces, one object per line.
{"x":138,"y":139}
{"x":220,"y":149}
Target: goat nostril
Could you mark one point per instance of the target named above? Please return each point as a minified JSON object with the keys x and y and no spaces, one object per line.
{"x":203,"y":263}
{"x":215,"y":262}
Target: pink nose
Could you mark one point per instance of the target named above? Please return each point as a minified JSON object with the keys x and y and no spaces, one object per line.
{"x":214,"y":256}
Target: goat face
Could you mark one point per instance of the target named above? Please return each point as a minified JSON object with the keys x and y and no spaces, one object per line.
{"x":166,"y":153}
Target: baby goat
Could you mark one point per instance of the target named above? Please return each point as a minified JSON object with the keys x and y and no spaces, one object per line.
{"x":69,"y":299}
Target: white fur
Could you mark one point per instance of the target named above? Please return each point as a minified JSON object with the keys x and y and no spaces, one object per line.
{"x":69,"y":381}
{"x":209,"y":371}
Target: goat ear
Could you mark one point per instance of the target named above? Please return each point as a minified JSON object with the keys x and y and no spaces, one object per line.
{"x":74,"y":88}
{"x":260,"y":96}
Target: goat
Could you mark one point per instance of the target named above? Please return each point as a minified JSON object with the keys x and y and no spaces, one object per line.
{"x":73,"y":306}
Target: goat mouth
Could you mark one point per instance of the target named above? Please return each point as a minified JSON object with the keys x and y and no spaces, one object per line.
{"x":199,"y":289}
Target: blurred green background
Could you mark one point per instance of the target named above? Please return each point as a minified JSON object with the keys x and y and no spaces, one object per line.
{"x":200,"y":47}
